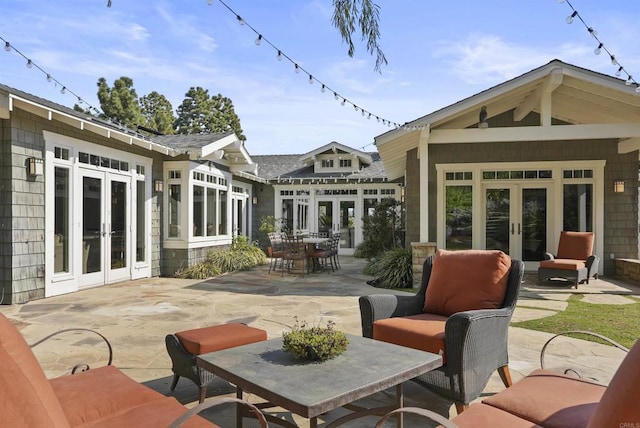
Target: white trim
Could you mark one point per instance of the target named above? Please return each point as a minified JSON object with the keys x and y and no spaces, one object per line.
{"x":555,"y":217}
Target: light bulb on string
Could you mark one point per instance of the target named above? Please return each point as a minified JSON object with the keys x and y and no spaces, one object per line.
{"x":629,"y":81}
{"x":355,"y":107}
{"x":63,"y":90}
{"x":638,"y":88}
{"x":279,"y":56}
{"x":560,"y":1}
{"x":344,"y":100}
{"x":598,"y":50}
{"x":362,"y":111}
{"x":259,"y":39}
{"x":323,"y":88}
{"x":310,"y":79}
{"x":49,"y":78}
{"x":613,"y":60}
{"x":297,"y":68}
{"x":570,"y":17}
{"x":335,"y":96}
{"x":209,"y":2}
{"x":619,"y":71}
{"x":240,"y":20}
{"x":29,"y":63}
{"x":7,"y":46}
{"x":593,"y":32}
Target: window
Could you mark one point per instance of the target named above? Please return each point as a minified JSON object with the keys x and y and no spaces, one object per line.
{"x":577,"y":207}
{"x":326,"y":163}
{"x":198,"y":211}
{"x":458,"y":217}
{"x":141,"y":216}
{"x":61,"y":221}
{"x":174,"y":210}
{"x":212,"y":206}
{"x":345,"y":163}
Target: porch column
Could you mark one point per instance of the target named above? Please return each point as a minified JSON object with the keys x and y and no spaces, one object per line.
{"x":423,"y":155}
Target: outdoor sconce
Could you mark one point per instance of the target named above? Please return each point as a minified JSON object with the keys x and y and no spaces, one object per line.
{"x":158,"y":186}
{"x":618,"y":186}
{"x":35,"y":166}
{"x":254,"y":200}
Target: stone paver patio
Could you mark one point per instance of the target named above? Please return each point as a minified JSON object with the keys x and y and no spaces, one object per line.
{"x":136,"y":316}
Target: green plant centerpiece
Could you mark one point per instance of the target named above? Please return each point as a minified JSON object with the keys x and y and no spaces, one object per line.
{"x":314,"y":343}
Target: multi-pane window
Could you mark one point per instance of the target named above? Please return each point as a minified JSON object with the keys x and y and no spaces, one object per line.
{"x":61,"y":220}
{"x":345,"y":163}
{"x":326,"y":163}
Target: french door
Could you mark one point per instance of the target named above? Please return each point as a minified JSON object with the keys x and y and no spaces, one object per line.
{"x":516,"y":219}
{"x":105,"y":204}
{"x":338,"y":215}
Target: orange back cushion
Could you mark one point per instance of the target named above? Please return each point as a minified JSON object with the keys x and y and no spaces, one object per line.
{"x":466,"y":280}
{"x":28,"y":399}
{"x":575,"y":245}
{"x":619,"y":404}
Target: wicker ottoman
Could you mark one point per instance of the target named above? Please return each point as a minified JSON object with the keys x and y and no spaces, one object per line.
{"x":184,"y":346}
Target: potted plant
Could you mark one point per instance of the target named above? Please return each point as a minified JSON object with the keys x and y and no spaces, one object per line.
{"x":315,"y":343}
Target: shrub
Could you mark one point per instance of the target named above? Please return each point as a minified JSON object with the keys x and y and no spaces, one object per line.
{"x":393,"y":270}
{"x":242,"y":255}
{"x":380,"y":231}
{"x":314,"y":343}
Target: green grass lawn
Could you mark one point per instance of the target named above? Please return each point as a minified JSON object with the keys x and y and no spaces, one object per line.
{"x":620,"y":323}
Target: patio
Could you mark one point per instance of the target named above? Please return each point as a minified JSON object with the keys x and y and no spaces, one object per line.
{"x":136,"y":316}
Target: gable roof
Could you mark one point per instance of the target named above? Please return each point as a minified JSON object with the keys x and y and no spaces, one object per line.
{"x":578,"y":96}
{"x":335,"y":147}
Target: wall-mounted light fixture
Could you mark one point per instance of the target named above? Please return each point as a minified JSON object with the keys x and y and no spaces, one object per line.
{"x":35,"y":167}
{"x":618,"y":186}
{"x":254,"y":200}
{"x":158,"y":186}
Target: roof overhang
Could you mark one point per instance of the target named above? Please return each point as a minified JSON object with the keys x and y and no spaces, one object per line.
{"x":9,"y":102}
{"x":594,"y":105}
{"x":335,"y":147}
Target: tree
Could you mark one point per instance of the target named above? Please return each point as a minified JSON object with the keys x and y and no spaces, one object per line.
{"x":120,"y":103}
{"x":158,"y":113}
{"x":200,"y":113}
{"x":346,"y":13}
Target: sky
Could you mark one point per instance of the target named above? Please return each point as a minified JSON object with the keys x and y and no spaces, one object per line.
{"x":438,"y":52}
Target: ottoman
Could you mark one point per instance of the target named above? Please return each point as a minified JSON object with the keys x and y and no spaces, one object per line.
{"x":184,"y":346}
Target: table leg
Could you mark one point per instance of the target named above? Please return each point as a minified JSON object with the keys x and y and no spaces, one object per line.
{"x":399,"y":404}
{"x":313,"y":422}
{"x":238,"y":409}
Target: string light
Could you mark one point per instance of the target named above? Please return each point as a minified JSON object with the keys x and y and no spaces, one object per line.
{"x":63,"y":88}
{"x":598,"y":50}
{"x":298,"y":69}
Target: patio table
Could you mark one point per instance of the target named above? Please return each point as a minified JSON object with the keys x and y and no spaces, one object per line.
{"x":311,"y":389}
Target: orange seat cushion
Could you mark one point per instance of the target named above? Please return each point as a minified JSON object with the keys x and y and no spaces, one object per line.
{"x":568,"y":264}
{"x":423,"y":331}
{"x":575,"y":245}
{"x":481,"y":415}
{"x":550,"y":399}
{"x":209,"y":339}
{"x":466,"y":280}
{"x":619,"y":404}
{"x":89,"y":396}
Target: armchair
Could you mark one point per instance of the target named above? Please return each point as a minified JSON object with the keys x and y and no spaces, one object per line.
{"x":574,"y":262}
{"x":462,"y":311}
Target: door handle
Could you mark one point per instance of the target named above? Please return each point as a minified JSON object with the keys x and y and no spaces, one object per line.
{"x":519,"y":231}
{"x":512,"y":231}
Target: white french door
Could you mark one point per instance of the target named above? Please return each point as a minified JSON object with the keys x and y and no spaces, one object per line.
{"x":516,"y":220}
{"x":338,"y":215}
{"x":105,"y":216}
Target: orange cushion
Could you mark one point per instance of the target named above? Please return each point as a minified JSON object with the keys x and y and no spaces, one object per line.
{"x":481,"y":415}
{"x":27,"y":399}
{"x":619,"y":404}
{"x":575,"y":245}
{"x":90,"y":396}
{"x":466,"y":280}
{"x":550,"y":399}
{"x":424,"y":332}
{"x":158,"y":413}
{"x":209,"y":339}
{"x":569,"y":264}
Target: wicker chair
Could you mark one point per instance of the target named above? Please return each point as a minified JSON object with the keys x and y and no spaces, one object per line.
{"x":473,"y":342}
{"x":293,"y":252}
{"x":575,"y":261}
{"x":275,"y":241}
